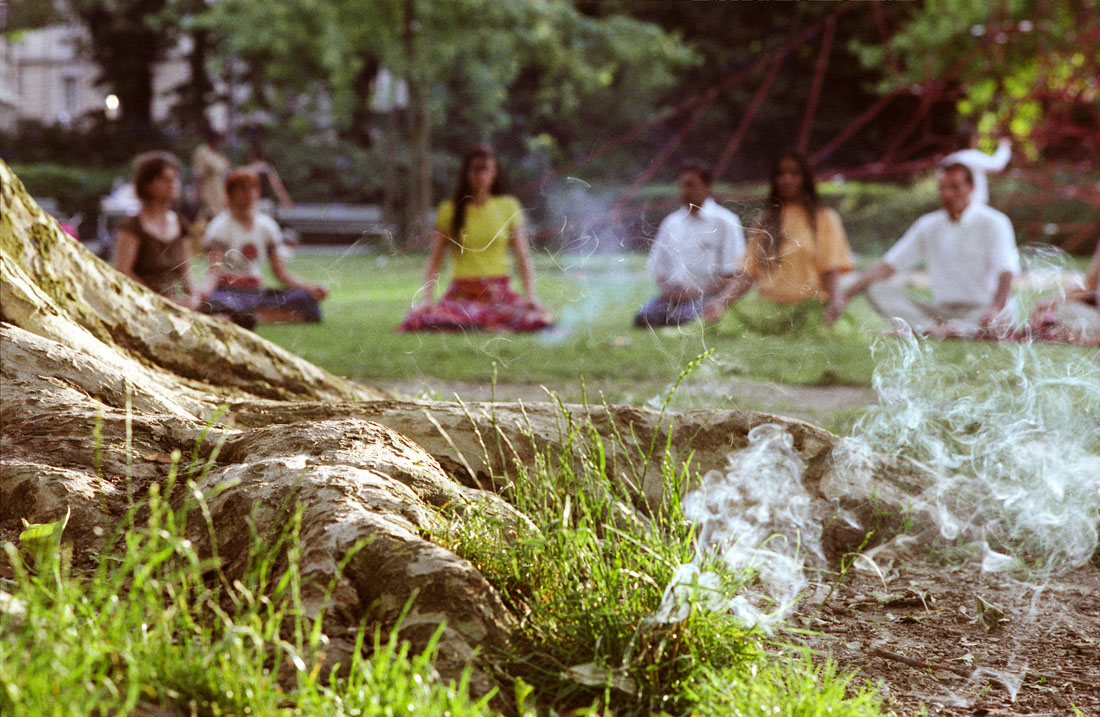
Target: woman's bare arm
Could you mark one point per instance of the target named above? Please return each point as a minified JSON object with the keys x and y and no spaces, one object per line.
{"x":126,"y":250}
{"x":523,"y":262}
{"x":214,"y":261}
{"x":277,"y":186}
{"x":435,"y":263}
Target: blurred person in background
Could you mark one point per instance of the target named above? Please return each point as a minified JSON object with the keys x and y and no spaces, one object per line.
{"x":271,"y":185}
{"x":153,"y":246}
{"x":210,"y":167}
{"x":970,"y":252}
{"x":796,"y":251}
{"x":697,"y":251}
{"x":237,"y":241}
{"x":1075,"y":315}
{"x":478,"y":227}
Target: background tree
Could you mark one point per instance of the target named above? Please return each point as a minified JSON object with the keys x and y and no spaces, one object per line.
{"x":1021,"y":68}
{"x":197,"y":92}
{"x":532,"y":77}
{"x":26,"y":14}
{"x":1024,"y":69}
{"x":736,"y":43}
{"x":126,"y":38}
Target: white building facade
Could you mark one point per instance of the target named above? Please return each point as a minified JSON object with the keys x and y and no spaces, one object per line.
{"x":45,"y":78}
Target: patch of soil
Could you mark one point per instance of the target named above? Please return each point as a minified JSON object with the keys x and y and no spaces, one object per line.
{"x":921,"y":633}
{"x":809,"y":403}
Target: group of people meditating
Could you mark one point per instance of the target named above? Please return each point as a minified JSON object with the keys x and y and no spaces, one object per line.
{"x":154,"y":248}
{"x":796,"y":254}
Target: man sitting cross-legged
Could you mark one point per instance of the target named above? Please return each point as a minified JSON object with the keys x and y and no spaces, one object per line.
{"x":970,"y":252}
{"x":696,"y":253}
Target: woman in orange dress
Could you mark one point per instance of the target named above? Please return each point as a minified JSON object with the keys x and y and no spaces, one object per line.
{"x":797,"y":251}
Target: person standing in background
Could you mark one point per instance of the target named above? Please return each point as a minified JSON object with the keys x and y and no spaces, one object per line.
{"x":211,"y":168}
{"x":271,"y":185}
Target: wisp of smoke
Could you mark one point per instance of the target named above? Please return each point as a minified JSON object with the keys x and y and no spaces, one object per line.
{"x":755,"y":520}
{"x":1011,"y":438}
{"x":1008,"y":436}
{"x":591,"y":253}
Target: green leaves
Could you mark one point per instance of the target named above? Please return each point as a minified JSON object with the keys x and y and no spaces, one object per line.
{"x":1017,"y":67}
{"x":487,"y":66}
{"x":42,"y":542}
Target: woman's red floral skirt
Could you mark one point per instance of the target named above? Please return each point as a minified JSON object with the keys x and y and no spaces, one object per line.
{"x":480,"y":304}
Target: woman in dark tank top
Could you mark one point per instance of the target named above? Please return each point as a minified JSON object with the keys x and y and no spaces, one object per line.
{"x":153,"y":247}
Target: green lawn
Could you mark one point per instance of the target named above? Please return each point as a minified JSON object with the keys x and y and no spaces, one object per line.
{"x":594,"y":348}
{"x":595,"y":300}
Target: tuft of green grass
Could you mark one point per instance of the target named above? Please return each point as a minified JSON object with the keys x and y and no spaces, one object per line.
{"x":588,"y":576}
{"x":794,"y":687}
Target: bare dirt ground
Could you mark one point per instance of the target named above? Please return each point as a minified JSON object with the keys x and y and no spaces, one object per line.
{"x":929,"y":643}
{"x":831,"y":407}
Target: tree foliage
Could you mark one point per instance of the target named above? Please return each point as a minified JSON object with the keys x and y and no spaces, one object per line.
{"x":1025,"y":68}
{"x":529,"y":74}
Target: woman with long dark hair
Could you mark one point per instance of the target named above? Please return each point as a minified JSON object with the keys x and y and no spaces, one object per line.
{"x":478,"y":226}
{"x":797,"y":250}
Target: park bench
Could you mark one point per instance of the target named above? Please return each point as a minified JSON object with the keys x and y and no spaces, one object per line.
{"x":305,"y":222}
{"x":342,"y":223}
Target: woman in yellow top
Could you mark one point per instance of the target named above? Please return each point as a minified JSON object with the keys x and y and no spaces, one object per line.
{"x":479,"y":226}
{"x":798,"y":249}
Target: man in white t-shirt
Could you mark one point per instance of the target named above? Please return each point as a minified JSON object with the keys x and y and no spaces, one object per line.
{"x":970,"y":253}
{"x":238,"y":240}
{"x":696,"y":253}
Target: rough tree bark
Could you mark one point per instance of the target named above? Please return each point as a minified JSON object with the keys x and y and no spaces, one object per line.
{"x":87,"y":352}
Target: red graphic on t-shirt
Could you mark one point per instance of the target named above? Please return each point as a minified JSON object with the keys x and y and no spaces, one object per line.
{"x":250,"y":251}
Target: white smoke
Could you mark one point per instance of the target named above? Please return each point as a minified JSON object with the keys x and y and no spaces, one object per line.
{"x":755,"y":520}
{"x":592,"y":253}
{"x":1009,"y":437}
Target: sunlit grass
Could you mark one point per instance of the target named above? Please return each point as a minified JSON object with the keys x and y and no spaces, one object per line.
{"x":587,"y":576}
{"x":150,"y":625}
{"x":595,"y":301}
{"x":594,"y":344}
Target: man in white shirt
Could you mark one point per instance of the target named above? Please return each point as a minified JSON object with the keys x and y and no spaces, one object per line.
{"x":970,"y":253}
{"x":696,"y":253}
